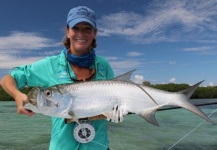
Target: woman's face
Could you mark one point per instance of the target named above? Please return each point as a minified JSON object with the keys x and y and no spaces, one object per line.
{"x":81,"y":37}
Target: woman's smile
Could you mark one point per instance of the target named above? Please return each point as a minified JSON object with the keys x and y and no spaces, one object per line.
{"x":81,"y":40}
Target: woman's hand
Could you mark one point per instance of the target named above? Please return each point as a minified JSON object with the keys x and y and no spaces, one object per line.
{"x":9,"y":85}
{"x":21,"y":99}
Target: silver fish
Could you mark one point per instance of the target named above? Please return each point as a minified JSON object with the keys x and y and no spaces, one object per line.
{"x":112,"y":98}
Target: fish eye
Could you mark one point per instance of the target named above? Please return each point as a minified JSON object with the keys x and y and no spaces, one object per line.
{"x":48,"y":93}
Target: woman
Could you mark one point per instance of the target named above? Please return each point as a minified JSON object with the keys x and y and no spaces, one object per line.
{"x":77,"y":62}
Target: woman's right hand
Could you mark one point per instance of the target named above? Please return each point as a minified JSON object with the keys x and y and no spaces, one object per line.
{"x":9,"y":85}
{"x":20,"y":100}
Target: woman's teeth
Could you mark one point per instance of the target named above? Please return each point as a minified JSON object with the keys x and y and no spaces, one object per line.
{"x":80,"y":40}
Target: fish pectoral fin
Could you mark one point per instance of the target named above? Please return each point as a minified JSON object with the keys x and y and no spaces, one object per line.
{"x":73,"y":117}
{"x":149,"y":115}
{"x":109,"y":115}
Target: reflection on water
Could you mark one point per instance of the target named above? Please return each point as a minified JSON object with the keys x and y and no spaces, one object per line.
{"x":23,"y":133}
{"x":19,"y":132}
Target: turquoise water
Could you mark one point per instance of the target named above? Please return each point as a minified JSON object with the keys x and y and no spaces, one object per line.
{"x":19,"y":132}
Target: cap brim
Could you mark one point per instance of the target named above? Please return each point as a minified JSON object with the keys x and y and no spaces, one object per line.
{"x":72,"y":23}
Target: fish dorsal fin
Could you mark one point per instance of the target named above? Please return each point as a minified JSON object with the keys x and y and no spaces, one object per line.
{"x":190,"y":90}
{"x":125,"y":76}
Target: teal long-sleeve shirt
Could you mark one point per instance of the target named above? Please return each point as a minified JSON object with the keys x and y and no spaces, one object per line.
{"x":51,"y":71}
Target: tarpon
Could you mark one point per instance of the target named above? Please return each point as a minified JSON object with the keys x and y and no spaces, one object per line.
{"x":112,"y":98}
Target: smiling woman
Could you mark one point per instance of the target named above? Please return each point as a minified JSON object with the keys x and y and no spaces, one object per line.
{"x":77,"y":62}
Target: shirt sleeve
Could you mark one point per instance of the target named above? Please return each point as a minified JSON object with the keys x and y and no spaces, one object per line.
{"x":35,"y":74}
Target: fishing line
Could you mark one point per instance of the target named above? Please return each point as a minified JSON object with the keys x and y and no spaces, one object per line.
{"x":102,"y":145}
{"x":190,"y":131}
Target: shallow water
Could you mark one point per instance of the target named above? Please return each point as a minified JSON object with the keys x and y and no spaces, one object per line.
{"x":19,"y":132}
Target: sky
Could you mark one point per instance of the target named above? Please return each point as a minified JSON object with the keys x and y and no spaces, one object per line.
{"x":165,"y":41}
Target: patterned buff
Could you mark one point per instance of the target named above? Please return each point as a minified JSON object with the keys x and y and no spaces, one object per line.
{"x":84,"y":61}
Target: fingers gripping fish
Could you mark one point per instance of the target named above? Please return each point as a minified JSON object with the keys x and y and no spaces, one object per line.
{"x":113,"y":98}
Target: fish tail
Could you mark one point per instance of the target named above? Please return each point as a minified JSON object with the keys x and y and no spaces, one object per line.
{"x":190,"y":90}
{"x":187,"y":105}
{"x":197,"y":111}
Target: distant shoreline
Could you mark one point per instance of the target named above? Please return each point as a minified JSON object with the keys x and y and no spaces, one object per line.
{"x":200,"y":93}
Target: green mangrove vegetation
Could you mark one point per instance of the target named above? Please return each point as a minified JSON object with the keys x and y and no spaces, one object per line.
{"x":200,"y":93}
{"x":5,"y":97}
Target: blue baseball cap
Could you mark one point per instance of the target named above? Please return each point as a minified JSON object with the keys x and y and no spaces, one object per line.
{"x":81,"y":14}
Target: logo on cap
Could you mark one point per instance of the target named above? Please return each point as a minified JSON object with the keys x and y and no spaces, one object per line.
{"x":83,"y":11}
